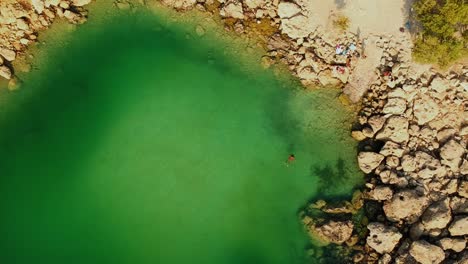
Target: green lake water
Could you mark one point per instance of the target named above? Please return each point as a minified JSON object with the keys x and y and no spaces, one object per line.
{"x":136,"y":144}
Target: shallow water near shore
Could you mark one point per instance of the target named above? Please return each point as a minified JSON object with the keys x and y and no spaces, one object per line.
{"x":136,"y":144}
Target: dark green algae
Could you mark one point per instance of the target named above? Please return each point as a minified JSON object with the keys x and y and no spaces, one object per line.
{"x":137,"y":142}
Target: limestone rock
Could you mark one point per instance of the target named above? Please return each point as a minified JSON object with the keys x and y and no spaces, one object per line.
{"x":425,"y":109}
{"x":376,"y":122}
{"x":463,"y":189}
{"x":48,"y":3}
{"x":232,"y":9}
{"x":459,"y":226}
{"x":385,"y":259}
{"x":9,"y":55}
{"x":395,"y":106}
{"x":418,"y":161}
{"x":395,"y":129}
{"x":336,"y":232}
{"x":464,"y":167}
{"x":437,"y":215}
{"x":381,"y":193}
{"x":382,"y":239}
{"x":288,"y":9}
{"x":81,"y":2}
{"x":296,"y":27}
{"x":405,"y":205}
{"x":368,"y":161}
{"x":426,"y":253}
{"x":358,"y":135}
{"x":439,"y":85}
{"x":455,"y":244}
{"x":392,"y":149}
{"x":459,"y":205}
{"x":180,"y":4}
{"x":451,"y":154}
{"x":38,"y":5}
{"x":255,"y":3}
{"x":5,"y":72}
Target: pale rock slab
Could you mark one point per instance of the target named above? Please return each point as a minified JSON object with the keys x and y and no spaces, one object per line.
{"x":425,"y":109}
{"x":426,"y":253}
{"x":455,"y":244}
{"x":382,"y":238}
{"x":5,"y":72}
{"x":451,"y":154}
{"x":459,"y":226}
{"x":395,"y":129}
{"x":437,"y":215}
{"x":232,"y":9}
{"x":405,"y":205}
{"x":80,"y":2}
{"x":368,"y":161}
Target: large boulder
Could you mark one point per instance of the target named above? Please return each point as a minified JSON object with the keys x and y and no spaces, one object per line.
{"x":437,"y":215}
{"x":426,"y":253}
{"x":381,"y":238}
{"x":288,"y":10}
{"x":395,"y":106}
{"x":451,"y":154}
{"x":392,"y":149}
{"x":425,"y":109}
{"x":336,"y":232}
{"x":417,"y":161}
{"x":368,"y":161}
{"x":439,"y":85}
{"x":405,"y":205}
{"x":81,"y":2}
{"x":38,"y":5}
{"x":455,"y":244}
{"x":395,"y":129}
{"x":5,"y":72}
{"x":8,"y":54}
{"x":376,"y":122}
{"x":381,"y":193}
{"x":255,"y":3}
{"x":232,"y":9}
{"x":459,"y":226}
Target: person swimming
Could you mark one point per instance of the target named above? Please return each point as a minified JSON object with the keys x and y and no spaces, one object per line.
{"x":290,"y":159}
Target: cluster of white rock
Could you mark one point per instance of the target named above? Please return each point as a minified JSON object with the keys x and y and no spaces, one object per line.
{"x":414,"y":135}
{"x":20,"y":22}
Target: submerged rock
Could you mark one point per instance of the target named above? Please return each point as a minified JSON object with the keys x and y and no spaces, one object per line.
{"x":336,"y":232}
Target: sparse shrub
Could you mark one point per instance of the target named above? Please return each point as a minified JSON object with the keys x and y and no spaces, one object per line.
{"x":341,"y":22}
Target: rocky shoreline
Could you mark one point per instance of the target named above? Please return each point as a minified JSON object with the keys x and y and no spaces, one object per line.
{"x":412,"y":127}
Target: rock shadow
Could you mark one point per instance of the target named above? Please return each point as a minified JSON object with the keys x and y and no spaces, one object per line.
{"x":330,"y":178}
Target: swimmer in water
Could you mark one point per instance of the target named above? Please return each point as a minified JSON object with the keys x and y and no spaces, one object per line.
{"x":290,"y":159}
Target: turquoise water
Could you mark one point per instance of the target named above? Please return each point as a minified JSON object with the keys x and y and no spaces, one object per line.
{"x":135,"y":144}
